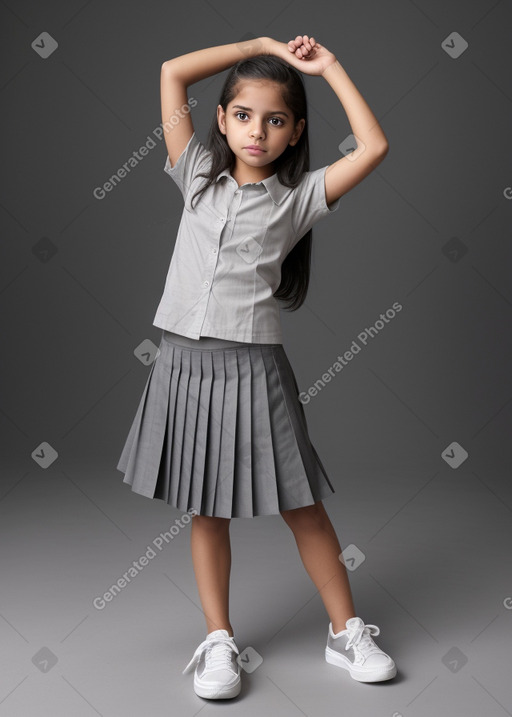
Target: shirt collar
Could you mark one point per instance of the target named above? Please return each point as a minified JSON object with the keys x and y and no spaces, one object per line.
{"x":276,"y":190}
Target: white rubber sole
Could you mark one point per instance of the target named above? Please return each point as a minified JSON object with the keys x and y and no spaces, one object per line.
{"x":223,"y":692}
{"x":375,"y":675}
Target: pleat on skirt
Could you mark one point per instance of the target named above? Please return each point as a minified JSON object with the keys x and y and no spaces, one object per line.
{"x":220,"y":429}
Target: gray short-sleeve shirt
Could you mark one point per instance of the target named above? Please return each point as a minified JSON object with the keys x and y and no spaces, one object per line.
{"x":227,"y":258}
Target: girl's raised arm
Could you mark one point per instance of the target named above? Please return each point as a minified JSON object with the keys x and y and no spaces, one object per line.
{"x":351,"y":169}
{"x":180,"y":72}
{"x":312,"y":58}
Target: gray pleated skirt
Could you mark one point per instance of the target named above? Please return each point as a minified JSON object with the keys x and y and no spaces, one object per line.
{"x":220,"y":429}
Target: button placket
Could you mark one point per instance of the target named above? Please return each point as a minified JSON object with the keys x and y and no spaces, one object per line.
{"x":213,"y":255}
{"x":211,"y":265}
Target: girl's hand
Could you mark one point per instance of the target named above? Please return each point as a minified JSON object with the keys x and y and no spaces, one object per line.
{"x":304,"y":53}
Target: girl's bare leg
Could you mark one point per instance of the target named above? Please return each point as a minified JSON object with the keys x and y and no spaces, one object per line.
{"x":319,"y":549}
{"x":211,"y":556}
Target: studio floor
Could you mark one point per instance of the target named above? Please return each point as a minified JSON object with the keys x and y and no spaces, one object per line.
{"x":433,"y":572}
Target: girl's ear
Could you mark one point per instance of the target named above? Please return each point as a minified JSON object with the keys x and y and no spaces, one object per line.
{"x":297,"y":132}
{"x":221,"y":119}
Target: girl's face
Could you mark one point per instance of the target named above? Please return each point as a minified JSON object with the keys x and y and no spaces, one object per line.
{"x":258,"y":116}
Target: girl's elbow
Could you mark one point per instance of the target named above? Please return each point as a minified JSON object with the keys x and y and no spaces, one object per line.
{"x":167,"y":65}
{"x":380,"y":154}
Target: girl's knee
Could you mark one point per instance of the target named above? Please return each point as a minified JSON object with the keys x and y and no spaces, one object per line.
{"x":306,"y":516}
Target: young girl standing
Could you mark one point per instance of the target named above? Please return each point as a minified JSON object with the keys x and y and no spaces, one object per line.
{"x":220,"y":430}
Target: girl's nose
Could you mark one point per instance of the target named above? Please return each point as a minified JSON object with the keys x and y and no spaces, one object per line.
{"x":257,"y":130}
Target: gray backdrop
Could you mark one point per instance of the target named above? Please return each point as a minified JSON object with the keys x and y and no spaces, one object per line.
{"x":414,"y":431}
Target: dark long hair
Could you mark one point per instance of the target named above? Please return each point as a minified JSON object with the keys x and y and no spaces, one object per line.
{"x":290,"y":165}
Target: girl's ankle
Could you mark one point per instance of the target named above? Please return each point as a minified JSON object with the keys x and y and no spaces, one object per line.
{"x":230,"y":630}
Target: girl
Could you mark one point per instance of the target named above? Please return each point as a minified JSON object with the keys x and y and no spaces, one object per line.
{"x":220,"y":430}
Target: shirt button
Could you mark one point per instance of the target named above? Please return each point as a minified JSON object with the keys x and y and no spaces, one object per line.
{"x":214,"y":251}
{"x":206,"y":283}
{"x":222,"y":220}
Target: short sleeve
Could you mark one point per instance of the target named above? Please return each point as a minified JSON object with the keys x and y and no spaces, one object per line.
{"x":309,"y":203}
{"x":192,"y":160}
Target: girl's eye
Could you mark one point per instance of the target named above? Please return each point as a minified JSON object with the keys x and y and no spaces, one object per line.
{"x":273,"y":118}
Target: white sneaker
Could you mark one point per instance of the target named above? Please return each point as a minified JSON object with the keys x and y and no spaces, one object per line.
{"x":217,"y":674}
{"x":355,"y":651}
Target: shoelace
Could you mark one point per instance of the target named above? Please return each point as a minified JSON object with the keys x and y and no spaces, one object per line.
{"x":361,"y":637}
{"x":219,"y":658}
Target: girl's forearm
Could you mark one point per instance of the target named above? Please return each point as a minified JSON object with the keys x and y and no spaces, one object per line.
{"x":195,"y":66}
{"x":363,"y":122}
